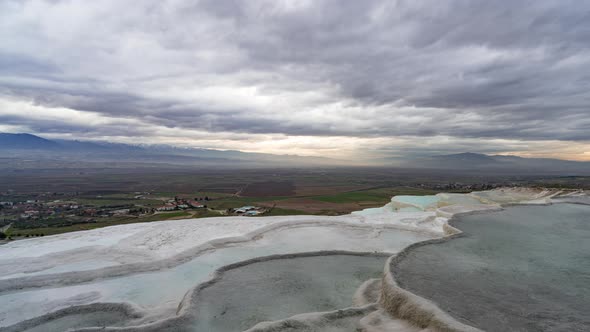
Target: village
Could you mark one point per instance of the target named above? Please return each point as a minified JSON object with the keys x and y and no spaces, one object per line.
{"x":44,"y":211}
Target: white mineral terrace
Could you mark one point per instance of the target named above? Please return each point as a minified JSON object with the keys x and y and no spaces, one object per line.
{"x":153,"y":265}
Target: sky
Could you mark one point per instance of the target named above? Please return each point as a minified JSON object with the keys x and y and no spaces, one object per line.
{"x":343,"y":79}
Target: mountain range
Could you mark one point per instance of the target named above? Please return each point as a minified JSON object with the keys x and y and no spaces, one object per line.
{"x":35,"y":147}
{"x":477,"y":161}
{"x":15,"y":146}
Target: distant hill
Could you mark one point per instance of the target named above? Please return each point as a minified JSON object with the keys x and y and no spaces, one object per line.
{"x":466,"y":158}
{"x":34,"y":147}
{"x":477,"y":161}
{"x":31,"y":147}
{"x":25,"y":141}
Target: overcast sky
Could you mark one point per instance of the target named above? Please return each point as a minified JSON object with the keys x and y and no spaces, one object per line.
{"x":346,"y":79}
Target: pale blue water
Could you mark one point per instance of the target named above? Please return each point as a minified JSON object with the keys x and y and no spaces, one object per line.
{"x":526,"y":268}
{"x":460,"y":199}
{"x":421,"y":202}
{"x":281,"y":288}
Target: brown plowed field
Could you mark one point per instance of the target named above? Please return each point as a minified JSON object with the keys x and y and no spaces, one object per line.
{"x":317,"y":207}
{"x":269,"y":188}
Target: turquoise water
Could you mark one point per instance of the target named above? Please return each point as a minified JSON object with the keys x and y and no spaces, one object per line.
{"x":460,"y":199}
{"x":526,"y":268}
{"x":421,"y":202}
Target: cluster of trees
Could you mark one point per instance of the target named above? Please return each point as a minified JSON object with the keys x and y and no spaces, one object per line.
{"x":140,"y":210}
{"x":4,"y":236}
{"x":49,"y":222}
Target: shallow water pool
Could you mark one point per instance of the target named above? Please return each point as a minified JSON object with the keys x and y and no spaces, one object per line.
{"x":526,"y":268}
{"x":278,"y":289}
{"x":419,"y":202}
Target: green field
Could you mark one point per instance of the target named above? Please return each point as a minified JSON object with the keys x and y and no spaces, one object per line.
{"x":112,"y":201}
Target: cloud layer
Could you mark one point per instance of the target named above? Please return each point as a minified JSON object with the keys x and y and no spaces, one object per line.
{"x":339,"y":78}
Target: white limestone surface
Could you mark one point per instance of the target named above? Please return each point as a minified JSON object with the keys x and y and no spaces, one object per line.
{"x":135,"y":245}
{"x":125,"y":244}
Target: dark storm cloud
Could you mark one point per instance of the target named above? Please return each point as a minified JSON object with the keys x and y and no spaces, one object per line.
{"x":465,"y":69}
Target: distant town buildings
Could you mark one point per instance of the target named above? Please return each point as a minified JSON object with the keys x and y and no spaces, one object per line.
{"x":30,"y":214}
{"x":249,"y":210}
{"x":167,"y":207}
{"x":195,"y":204}
{"x":180,"y":204}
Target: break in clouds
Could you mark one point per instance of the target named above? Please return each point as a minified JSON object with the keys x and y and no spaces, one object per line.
{"x":381,"y":78}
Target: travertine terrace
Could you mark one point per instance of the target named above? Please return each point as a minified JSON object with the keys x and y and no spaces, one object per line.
{"x":113,"y":273}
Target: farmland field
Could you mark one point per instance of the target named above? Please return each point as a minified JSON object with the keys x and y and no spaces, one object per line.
{"x":98,"y":193}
